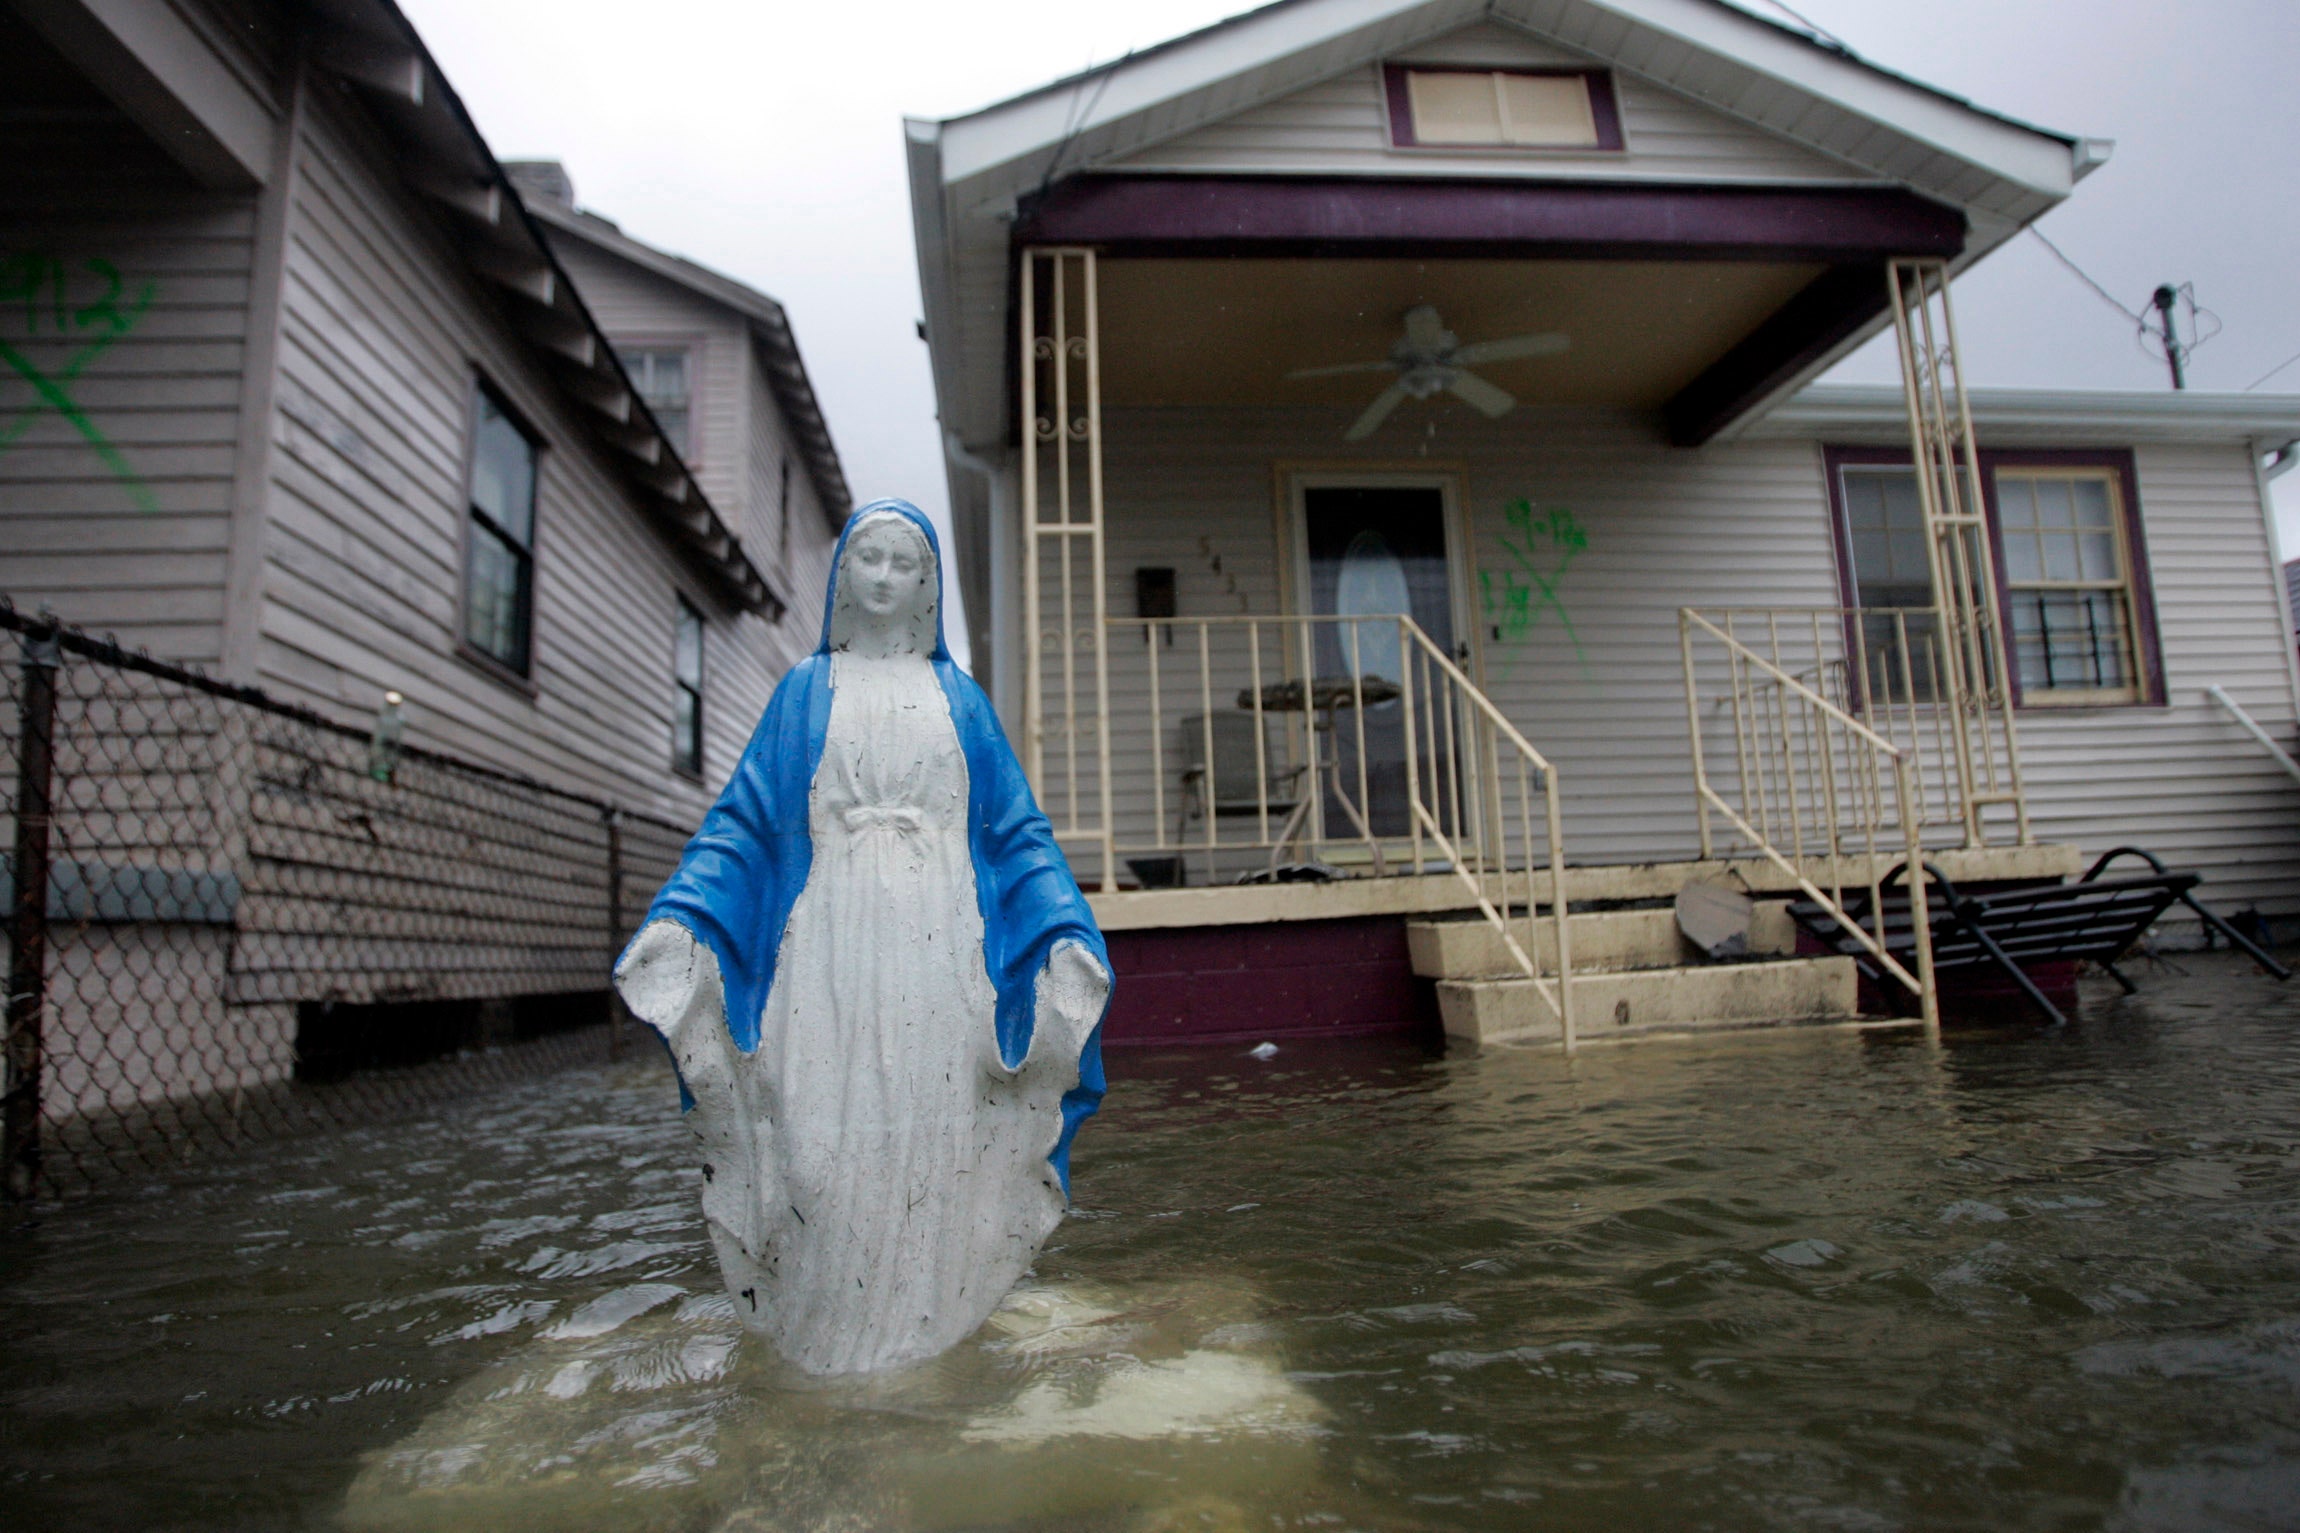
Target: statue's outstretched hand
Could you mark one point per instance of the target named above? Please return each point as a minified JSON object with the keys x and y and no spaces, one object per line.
{"x":1072,"y":990}
{"x":668,"y":978}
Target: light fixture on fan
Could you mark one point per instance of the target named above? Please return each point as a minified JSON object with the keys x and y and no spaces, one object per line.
{"x":1430,"y":360}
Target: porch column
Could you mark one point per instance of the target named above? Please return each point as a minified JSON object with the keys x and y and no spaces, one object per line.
{"x":1974,"y":682}
{"x":1066,"y":685}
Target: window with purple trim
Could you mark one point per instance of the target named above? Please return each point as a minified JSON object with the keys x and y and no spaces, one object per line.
{"x":1451,"y":107}
{"x":2072,"y":584}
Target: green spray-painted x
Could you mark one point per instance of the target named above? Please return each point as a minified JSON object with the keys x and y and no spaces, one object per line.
{"x":1515,"y":607}
{"x":34,"y":278}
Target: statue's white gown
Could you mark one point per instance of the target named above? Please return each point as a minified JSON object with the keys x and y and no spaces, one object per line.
{"x":876,"y":1178}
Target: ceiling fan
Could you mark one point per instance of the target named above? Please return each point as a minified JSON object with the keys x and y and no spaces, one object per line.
{"x":1430,"y":360}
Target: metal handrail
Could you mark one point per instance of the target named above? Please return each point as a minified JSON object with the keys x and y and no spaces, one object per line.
{"x":1472,"y":777}
{"x":1789,"y":761}
{"x":2251,"y":726}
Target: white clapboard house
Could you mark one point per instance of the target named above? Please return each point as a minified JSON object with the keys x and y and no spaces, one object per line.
{"x":302,"y":393}
{"x":1382,"y":443}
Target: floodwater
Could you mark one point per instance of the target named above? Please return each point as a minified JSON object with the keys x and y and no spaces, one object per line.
{"x":1822,"y":1279}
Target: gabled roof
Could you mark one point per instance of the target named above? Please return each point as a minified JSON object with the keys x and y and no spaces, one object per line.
{"x":371,"y":45}
{"x":770,"y":328}
{"x":971,"y":174}
{"x":974,"y":176}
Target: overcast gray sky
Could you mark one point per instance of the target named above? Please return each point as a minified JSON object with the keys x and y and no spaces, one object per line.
{"x":766,"y":140}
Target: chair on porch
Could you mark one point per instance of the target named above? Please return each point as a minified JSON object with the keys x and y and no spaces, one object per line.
{"x":1242,"y":781}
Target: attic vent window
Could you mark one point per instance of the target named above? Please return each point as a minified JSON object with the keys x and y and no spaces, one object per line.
{"x":1501,"y":108}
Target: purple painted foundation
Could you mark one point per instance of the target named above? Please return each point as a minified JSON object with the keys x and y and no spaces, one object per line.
{"x":1349,"y":978}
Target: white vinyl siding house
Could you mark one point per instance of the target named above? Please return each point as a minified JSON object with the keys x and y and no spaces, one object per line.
{"x":1595,"y":678}
{"x":1255,"y":228}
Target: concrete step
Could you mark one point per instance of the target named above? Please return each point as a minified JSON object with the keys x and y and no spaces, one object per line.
{"x":1606,"y":939}
{"x":1628,"y":1002}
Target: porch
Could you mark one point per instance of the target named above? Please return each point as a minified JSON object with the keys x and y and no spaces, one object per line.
{"x":1273,"y":679}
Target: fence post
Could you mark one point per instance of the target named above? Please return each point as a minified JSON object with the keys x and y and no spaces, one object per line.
{"x":28,"y":931}
{"x":614,"y":818}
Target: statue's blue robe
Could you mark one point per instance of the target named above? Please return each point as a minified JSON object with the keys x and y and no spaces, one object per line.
{"x":743,"y":871}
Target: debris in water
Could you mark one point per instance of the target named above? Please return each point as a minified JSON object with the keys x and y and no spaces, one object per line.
{"x":1264,"y":1051}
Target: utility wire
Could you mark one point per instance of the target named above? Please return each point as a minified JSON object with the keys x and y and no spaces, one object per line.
{"x":2085,"y":277}
{"x":1812,"y":26}
{"x":2272,"y":372}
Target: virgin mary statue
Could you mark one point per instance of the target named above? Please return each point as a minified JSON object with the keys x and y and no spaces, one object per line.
{"x":881,"y":987}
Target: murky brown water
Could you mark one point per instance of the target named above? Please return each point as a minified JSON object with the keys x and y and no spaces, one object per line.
{"x":1825,"y":1280}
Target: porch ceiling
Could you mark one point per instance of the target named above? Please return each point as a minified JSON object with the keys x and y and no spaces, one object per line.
{"x":1227,"y":331}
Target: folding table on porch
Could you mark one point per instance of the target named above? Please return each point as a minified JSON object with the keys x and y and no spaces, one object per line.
{"x":1324,"y":696}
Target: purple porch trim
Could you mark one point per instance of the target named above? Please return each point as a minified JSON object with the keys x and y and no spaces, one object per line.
{"x":1433,"y":217}
{"x":1827,"y":311}
{"x":1349,"y":978}
{"x":1604,"y":112}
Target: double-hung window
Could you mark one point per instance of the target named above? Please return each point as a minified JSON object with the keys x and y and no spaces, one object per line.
{"x":2071,"y":618}
{"x":660,"y":375}
{"x":687,"y":690}
{"x":2071,"y":586}
{"x":499,"y":550}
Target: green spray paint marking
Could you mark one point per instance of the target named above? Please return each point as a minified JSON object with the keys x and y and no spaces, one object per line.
{"x":43,"y":287}
{"x":1540,"y":546}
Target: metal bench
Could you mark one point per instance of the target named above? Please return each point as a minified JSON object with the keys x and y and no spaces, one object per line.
{"x":2014,"y":930}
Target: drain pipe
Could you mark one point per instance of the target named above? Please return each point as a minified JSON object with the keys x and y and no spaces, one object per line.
{"x":2266,"y":467}
{"x":2251,"y":726}
{"x":998,"y":620}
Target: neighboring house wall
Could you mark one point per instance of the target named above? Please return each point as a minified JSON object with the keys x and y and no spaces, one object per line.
{"x":802,"y":540}
{"x":124,"y":303}
{"x":384,"y":335}
{"x":1743,"y":524}
{"x":744,"y":447}
{"x":1340,"y":127}
{"x":639,"y":309}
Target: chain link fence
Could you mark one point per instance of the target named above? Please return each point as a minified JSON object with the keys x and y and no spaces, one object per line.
{"x":231,"y":919}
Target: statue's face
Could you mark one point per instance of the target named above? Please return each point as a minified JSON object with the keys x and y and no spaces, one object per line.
{"x":886,"y":567}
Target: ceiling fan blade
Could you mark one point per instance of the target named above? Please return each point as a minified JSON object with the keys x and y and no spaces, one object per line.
{"x":1383,"y":366}
{"x":1377,"y":412}
{"x":1481,"y":395}
{"x":1548,"y":343}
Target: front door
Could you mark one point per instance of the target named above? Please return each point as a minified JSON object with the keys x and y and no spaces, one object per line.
{"x":1374,"y":550}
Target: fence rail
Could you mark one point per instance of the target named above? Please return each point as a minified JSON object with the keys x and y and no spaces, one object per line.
{"x":231,"y":918}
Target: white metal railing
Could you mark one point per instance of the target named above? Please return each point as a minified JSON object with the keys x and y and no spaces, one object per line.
{"x":2251,"y":726}
{"x":1887,"y":667}
{"x":1804,"y":782}
{"x":1247,"y":746}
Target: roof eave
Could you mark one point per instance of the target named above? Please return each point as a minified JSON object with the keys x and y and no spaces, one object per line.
{"x":372,"y":46}
{"x":1861,"y":413}
{"x":769,"y":324}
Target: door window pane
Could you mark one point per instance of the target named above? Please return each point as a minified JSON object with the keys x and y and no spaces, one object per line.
{"x":1376,"y":553}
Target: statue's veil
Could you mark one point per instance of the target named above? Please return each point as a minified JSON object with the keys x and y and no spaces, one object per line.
{"x":919,"y":625}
